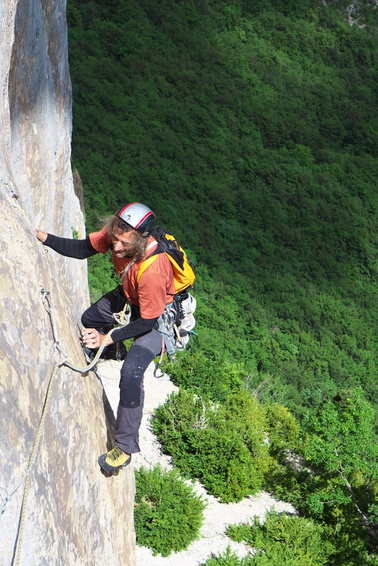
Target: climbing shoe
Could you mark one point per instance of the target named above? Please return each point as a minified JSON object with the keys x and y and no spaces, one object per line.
{"x":114,"y":460}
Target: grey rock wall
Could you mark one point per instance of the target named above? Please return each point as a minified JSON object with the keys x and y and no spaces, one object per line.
{"x":74,"y":515}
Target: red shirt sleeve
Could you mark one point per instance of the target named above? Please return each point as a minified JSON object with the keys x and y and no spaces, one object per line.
{"x":100,"y":241}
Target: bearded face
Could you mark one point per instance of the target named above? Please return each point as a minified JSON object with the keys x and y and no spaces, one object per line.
{"x":128,"y":244}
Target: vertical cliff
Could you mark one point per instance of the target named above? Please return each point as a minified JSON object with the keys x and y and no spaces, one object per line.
{"x":73,"y":514}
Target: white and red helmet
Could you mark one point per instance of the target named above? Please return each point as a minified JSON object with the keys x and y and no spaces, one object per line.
{"x":138,"y":216}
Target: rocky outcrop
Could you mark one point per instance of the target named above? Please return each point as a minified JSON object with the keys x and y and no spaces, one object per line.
{"x":73,"y":513}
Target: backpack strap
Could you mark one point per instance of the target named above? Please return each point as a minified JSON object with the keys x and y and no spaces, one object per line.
{"x":144,"y":266}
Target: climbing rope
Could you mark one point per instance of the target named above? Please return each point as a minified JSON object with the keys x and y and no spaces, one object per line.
{"x":122,"y":319}
{"x":95,"y":359}
{"x":32,"y":459}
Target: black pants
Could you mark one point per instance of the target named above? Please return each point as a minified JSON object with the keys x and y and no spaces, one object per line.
{"x":140,"y":355}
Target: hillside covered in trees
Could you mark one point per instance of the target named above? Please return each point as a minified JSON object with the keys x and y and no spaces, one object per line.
{"x":251,"y":129}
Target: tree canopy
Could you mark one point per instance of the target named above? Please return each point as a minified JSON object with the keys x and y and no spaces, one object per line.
{"x":250,"y":128}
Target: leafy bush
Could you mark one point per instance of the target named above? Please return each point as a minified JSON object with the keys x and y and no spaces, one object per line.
{"x":342,"y":449}
{"x":283,"y":429}
{"x":285,"y":540}
{"x":336,"y":482}
{"x":168,"y":515}
{"x":210,"y":376}
{"x":224,"y":446}
{"x":228,"y":558}
{"x":343,"y":445}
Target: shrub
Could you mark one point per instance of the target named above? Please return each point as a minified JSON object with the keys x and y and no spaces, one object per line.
{"x":224,"y":446}
{"x":215,"y":378}
{"x":229,"y":558}
{"x":283,"y":429}
{"x":168,"y":514}
{"x":285,"y":540}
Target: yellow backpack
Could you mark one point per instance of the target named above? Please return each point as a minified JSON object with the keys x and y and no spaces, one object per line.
{"x":183,"y":273}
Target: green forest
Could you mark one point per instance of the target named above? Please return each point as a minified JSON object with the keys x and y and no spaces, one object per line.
{"x":251,"y":129}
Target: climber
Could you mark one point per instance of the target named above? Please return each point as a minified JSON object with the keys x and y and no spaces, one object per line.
{"x":128,"y":235}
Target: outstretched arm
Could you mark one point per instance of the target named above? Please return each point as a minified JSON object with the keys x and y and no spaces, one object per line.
{"x":79,"y":249}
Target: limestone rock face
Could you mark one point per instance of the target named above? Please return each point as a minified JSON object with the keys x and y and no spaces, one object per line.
{"x":73,"y":514}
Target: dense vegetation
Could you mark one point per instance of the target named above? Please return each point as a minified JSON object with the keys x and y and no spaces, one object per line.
{"x":253,"y":136}
{"x":168,"y":514}
{"x":251,"y":129}
{"x":307,"y":541}
{"x":224,"y":445}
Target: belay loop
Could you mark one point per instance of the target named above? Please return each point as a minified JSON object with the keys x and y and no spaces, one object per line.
{"x":123,"y":317}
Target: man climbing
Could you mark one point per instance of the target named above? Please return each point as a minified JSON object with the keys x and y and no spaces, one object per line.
{"x":128,"y":235}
